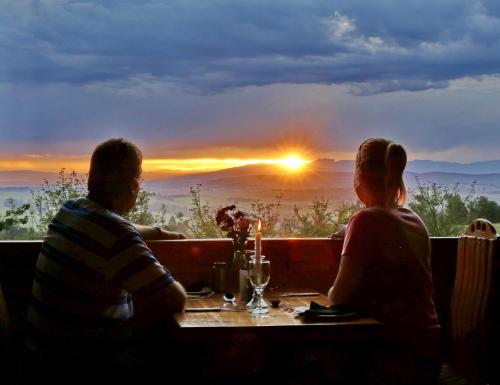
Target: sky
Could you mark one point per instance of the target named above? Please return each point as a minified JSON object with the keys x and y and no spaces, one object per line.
{"x":208,"y":84}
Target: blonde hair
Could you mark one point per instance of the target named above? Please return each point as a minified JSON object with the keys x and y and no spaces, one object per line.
{"x":379,"y":165}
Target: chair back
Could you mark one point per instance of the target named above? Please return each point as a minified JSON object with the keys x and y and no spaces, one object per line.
{"x":470,"y":304}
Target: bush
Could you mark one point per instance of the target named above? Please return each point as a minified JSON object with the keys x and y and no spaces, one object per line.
{"x":445,"y":212}
{"x":13,"y":221}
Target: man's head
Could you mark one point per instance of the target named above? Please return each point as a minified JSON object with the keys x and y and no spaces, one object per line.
{"x":114,"y":175}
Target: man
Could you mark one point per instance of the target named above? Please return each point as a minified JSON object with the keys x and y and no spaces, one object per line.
{"x":96,"y":281}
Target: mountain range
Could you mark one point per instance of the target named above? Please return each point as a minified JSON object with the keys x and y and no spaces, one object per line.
{"x":318,"y":175}
{"x":324,"y":177}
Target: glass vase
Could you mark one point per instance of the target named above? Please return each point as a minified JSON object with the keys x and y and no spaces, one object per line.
{"x":241,"y":258}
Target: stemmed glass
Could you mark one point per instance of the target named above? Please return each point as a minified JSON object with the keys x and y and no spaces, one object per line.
{"x":253,"y":302}
{"x":259,"y":273}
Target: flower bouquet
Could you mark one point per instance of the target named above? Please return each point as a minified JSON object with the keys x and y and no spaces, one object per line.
{"x":237,"y":224}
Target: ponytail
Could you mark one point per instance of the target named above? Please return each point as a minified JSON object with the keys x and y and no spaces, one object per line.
{"x":395,"y":163}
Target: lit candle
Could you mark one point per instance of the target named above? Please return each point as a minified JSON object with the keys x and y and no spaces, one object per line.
{"x":258,"y":236}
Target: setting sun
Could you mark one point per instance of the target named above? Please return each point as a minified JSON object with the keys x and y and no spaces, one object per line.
{"x":293,"y":162}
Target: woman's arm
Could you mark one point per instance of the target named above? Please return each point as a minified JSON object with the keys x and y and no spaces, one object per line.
{"x":348,"y":280}
{"x":357,"y":252}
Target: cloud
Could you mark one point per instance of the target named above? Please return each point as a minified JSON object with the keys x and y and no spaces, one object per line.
{"x":137,"y":48}
{"x":207,"y":78}
{"x":375,"y":87}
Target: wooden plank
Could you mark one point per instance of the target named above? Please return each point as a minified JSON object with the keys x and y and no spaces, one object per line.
{"x":280,"y":324}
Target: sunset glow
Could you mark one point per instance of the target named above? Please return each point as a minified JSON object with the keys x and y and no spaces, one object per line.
{"x":151,"y":166}
{"x":198,"y":164}
{"x":293,"y":162}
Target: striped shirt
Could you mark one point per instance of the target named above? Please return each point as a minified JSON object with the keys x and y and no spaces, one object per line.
{"x":92,"y":265}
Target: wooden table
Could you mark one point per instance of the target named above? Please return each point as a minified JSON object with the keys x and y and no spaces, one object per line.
{"x":281,"y":324}
{"x":235,"y":345}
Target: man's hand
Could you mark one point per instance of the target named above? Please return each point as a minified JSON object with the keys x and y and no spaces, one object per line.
{"x":150,"y":233}
{"x":150,"y":309}
{"x":164,"y":234}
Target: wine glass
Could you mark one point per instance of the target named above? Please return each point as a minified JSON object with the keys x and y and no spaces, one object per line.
{"x":253,"y":302}
{"x":259,"y":272}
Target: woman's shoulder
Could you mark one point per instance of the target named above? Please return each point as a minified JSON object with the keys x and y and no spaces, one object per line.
{"x":379,"y":216}
{"x":408,"y":214}
{"x":367,"y":217}
{"x":369,"y":214}
{"x":411,"y":219}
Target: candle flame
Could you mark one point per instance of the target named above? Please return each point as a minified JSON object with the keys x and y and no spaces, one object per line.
{"x":259,"y":226}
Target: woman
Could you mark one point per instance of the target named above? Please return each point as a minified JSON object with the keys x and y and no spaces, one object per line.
{"x":385,"y":269}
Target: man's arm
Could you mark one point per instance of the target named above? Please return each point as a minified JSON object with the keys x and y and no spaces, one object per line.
{"x":164,"y":302}
{"x":149,"y":233}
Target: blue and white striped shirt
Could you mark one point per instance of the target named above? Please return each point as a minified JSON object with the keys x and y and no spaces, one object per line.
{"x":92,"y":265}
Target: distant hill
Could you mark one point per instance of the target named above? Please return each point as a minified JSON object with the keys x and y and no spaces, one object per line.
{"x":321,"y":173}
{"x":484,"y":167}
{"x":418,"y":166}
{"x":316,"y":175}
{"x":25,"y":178}
{"x":322,"y":178}
{"x":327,"y":176}
{"x":486,"y":184}
{"x":332,"y":165}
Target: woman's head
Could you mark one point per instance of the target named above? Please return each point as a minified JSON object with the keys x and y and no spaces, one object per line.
{"x":379,"y":172}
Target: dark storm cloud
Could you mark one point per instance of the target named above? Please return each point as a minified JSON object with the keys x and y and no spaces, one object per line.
{"x":179,"y":76}
{"x":214,"y":45}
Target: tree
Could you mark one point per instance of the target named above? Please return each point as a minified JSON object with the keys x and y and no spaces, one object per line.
{"x":316,"y":222}
{"x":13,"y":218}
{"x":430,"y":202}
{"x":343,"y":212}
{"x":270,"y":215}
{"x":322,"y":219}
{"x":202,"y":221}
{"x":482,"y":207}
{"x":445,"y":211}
{"x":456,"y":209}
{"x":50,"y":197}
{"x":140,"y":213}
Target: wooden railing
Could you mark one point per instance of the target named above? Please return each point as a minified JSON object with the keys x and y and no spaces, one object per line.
{"x":307,"y":263}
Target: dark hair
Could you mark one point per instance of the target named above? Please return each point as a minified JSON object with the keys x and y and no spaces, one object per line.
{"x":380,"y":163}
{"x":113,"y":166}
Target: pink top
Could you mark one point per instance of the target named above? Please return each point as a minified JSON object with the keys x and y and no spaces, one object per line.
{"x":385,"y":269}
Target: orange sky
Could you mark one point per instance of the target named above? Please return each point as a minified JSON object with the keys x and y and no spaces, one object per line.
{"x":151,"y":166}
{"x":157,"y":165}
